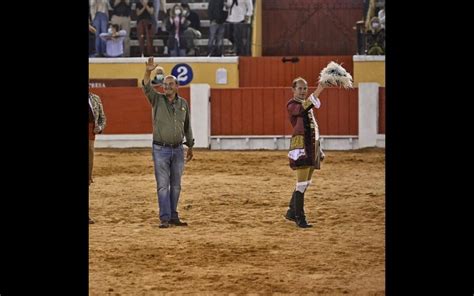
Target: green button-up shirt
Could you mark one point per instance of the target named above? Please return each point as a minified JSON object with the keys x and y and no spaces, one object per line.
{"x":171,"y":121}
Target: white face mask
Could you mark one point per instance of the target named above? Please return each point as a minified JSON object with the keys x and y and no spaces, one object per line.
{"x":177,"y":11}
{"x":158,"y":79}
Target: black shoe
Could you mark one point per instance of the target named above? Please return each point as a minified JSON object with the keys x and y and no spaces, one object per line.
{"x":164,"y":224}
{"x":178,"y":222}
{"x":301,"y":222}
{"x":290,"y":214}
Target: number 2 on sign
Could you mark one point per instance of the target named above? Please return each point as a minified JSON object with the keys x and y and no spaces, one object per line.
{"x":183,"y":73}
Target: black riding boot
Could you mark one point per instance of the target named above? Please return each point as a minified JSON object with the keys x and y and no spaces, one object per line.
{"x":290,"y":214}
{"x":300,"y":218}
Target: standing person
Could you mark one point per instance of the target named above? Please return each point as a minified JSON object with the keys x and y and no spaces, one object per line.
{"x":240,"y":12}
{"x":217,"y":16}
{"x":305,"y":152}
{"x":157,"y":4}
{"x":97,"y":123}
{"x":145,"y":27}
{"x":99,"y":10}
{"x":171,"y":123}
{"x":92,"y":32}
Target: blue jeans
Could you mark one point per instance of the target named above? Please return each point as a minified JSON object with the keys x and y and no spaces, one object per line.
{"x":100,"y":23}
{"x":169,"y":167}
{"x":216,"y":39}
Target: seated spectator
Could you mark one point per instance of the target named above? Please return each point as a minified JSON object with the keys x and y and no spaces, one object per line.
{"x":176,"y":24}
{"x":114,"y":41}
{"x":375,"y":38}
{"x":121,"y":16}
{"x":193,"y":31}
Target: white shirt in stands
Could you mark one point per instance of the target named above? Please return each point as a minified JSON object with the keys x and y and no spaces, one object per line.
{"x":238,"y":12}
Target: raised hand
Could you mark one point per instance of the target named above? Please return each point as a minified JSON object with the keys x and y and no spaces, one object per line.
{"x":150,"y":65}
{"x":319,"y":89}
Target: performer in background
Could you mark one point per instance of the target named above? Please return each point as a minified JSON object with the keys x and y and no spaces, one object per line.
{"x":97,"y":123}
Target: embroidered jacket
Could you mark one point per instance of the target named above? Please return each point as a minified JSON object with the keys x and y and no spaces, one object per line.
{"x":304,"y":145}
{"x":97,"y":111}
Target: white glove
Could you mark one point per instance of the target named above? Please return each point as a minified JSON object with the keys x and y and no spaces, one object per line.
{"x":97,"y":130}
{"x":322,"y":153}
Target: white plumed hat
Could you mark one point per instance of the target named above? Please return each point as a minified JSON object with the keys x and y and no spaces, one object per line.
{"x":335,"y":75}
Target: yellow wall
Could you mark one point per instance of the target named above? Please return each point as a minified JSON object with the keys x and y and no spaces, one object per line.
{"x":369,"y":71}
{"x":257,"y":30}
{"x":202,"y":72}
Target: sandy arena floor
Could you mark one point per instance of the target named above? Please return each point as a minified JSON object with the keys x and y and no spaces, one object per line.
{"x":237,"y":241}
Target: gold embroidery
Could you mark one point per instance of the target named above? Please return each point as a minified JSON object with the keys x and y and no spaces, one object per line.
{"x":306,"y":104}
{"x":297,"y":142}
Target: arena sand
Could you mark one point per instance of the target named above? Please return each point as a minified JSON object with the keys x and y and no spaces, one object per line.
{"x":237,"y":241}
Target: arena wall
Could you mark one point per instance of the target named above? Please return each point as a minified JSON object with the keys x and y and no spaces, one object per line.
{"x":251,"y":116}
{"x":204,"y":68}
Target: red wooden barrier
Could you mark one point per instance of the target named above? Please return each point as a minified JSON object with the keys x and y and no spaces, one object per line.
{"x":262,"y":111}
{"x":271,"y":71}
{"x":127,"y":109}
{"x":239,"y":111}
{"x":381,"y":110}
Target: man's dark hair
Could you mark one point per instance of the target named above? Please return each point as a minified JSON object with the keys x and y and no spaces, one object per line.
{"x":116,"y":27}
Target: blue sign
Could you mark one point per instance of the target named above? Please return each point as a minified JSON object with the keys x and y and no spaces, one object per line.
{"x":183,"y":72}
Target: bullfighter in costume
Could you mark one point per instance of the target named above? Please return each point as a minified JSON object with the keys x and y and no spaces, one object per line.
{"x":305,"y":153}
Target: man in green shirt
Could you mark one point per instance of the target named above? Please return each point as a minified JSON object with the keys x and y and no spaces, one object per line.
{"x":171,"y":123}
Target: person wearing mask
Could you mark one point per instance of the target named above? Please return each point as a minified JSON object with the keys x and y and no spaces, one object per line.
{"x":114,"y":41}
{"x":121,"y":16}
{"x":176,"y":25}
